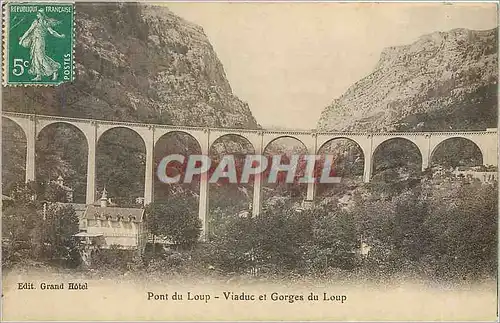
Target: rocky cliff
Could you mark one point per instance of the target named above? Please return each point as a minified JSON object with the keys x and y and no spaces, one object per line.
{"x":140,"y":63}
{"x":443,"y":81}
{"x":133,"y":63}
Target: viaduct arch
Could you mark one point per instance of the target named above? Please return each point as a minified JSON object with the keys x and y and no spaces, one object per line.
{"x":487,"y":142}
{"x":433,"y":152}
{"x":325,"y":144}
{"x":411,"y":143}
{"x":74,"y":128}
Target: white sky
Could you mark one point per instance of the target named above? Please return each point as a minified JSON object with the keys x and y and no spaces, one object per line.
{"x":290,"y":60}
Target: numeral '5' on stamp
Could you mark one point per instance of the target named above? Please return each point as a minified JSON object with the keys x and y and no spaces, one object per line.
{"x":38,"y":43}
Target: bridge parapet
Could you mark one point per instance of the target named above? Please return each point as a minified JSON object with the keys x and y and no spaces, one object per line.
{"x":234,"y":130}
{"x":291,"y":132}
{"x":434,"y":133}
{"x":45,"y":117}
{"x":339,"y":133}
{"x":288,"y":132}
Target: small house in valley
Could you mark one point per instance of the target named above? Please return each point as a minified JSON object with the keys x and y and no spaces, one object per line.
{"x":104,"y":227}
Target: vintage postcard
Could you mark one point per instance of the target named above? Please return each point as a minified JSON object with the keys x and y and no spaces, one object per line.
{"x":249,"y":161}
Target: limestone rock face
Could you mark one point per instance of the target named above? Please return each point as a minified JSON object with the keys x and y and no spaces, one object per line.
{"x":443,"y":81}
{"x":134,"y":63}
{"x":140,"y":63}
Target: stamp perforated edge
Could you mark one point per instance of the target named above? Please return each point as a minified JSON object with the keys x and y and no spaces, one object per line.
{"x":5,"y":18}
{"x":5,"y":58}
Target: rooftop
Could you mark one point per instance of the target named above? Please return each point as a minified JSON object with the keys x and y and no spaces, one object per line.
{"x":114,"y":213}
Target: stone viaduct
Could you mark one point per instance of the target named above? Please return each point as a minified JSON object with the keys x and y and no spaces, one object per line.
{"x":426,"y":142}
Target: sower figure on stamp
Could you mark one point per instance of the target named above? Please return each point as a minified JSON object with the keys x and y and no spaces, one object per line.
{"x":34,"y":38}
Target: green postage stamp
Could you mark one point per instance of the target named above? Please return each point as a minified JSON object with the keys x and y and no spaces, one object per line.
{"x":38,"y":43}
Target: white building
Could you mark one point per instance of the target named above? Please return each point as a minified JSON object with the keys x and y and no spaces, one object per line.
{"x":103,"y":226}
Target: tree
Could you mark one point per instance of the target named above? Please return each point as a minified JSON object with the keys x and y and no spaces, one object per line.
{"x":334,"y":239}
{"x":394,"y":229}
{"x":280,"y":236}
{"x":59,"y":225}
{"x":176,"y":219}
{"x":410,"y":237}
{"x":273,"y":242}
{"x":39,"y":230}
{"x":54,"y":193}
{"x":463,"y":231}
{"x":232,"y":245}
{"x":38,"y":190}
{"x":24,"y":193}
{"x":18,"y":222}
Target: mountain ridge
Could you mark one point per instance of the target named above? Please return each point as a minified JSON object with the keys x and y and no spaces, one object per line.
{"x":442,"y":80}
{"x":141,"y":63}
{"x":134,"y":63}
